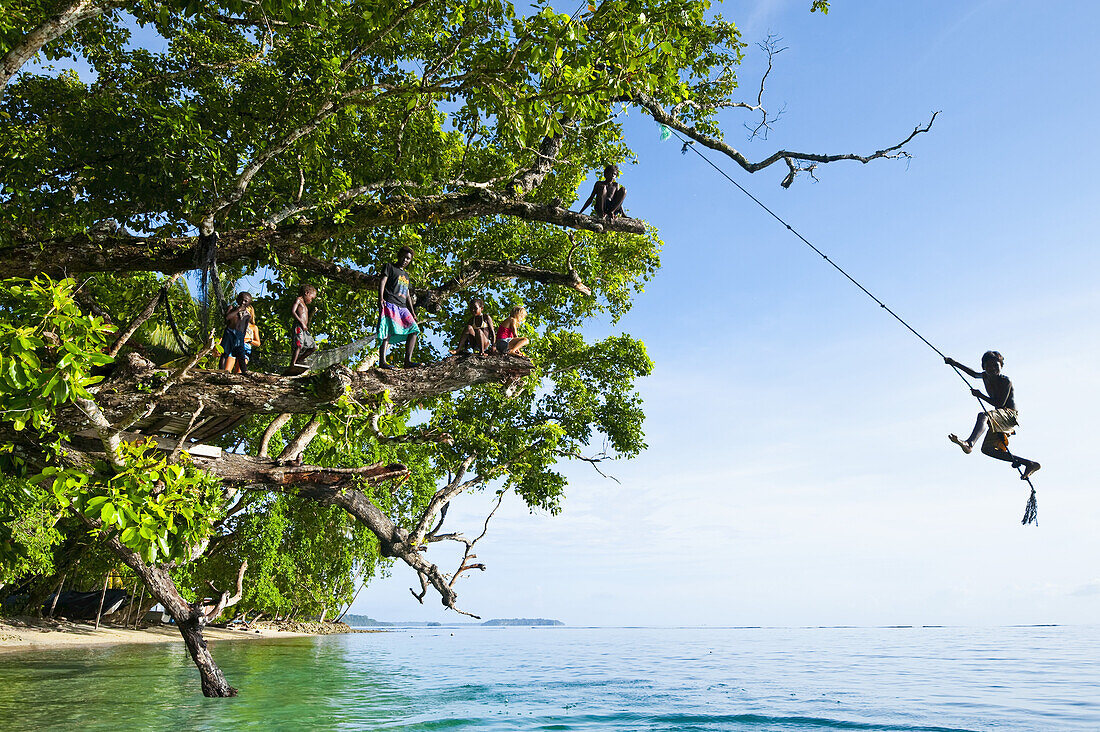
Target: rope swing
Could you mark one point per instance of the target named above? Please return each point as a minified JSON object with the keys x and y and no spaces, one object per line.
{"x":1031,"y":511}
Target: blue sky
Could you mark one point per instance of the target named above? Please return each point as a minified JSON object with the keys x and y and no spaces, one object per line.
{"x":798,"y":470}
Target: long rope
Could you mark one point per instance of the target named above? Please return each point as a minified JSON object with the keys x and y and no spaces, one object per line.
{"x":1031,"y":511}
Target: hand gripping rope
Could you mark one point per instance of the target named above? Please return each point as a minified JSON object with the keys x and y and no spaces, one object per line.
{"x":1031,"y":511}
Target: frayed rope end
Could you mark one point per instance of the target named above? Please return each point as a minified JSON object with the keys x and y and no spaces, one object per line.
{"x":1031,"y":511}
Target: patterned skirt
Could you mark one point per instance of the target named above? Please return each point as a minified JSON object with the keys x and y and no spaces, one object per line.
{"x":396,"y":324}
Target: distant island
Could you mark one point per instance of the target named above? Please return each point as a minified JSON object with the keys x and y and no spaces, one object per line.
{"x":363,"y":621}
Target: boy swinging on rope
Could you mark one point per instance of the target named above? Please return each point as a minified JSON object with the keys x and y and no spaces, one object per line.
{"x":1001,"y":419}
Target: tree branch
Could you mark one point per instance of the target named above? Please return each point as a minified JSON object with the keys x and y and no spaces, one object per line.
{"x":240,"y":187}
{"x":141,"y":317}
{"x":124,"y":253}
{"x":441,"y":498}
{"x":296,"y":447}
{"x":660,"y":115}
{"x":207,"y":613}
{"x":66,"y":19}
{"x":108,"y":434}
{"x":270,"y":431}
{"x":125,"y":397}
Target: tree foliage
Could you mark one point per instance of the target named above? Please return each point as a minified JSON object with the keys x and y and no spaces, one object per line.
{"x":318,"y":138}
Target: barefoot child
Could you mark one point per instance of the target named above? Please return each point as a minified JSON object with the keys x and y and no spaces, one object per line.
{"x":237,"y":320}
{"x":396,"y":310}
{"x":251,"y":340}
{"x":302,"y":344}
{"x":607,"y":194}
{"x":1001,"y":418}
{"x":507,"y":341}
{"x":479,"y":330}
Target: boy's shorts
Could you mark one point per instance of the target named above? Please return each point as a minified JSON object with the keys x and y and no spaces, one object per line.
{"x":302,"y":339}
{"x":1003,"y":420}
{"x":232,"y":342}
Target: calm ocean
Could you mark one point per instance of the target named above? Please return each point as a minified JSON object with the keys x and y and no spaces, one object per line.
{"x":1019,"y":678}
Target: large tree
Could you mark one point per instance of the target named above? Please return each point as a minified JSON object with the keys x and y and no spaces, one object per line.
{"x":314,"y":139}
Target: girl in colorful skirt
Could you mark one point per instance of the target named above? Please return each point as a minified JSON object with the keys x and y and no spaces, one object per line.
{"x":396,"y":310}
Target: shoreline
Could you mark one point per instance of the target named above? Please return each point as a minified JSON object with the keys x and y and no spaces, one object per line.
{"x":34,"y":634}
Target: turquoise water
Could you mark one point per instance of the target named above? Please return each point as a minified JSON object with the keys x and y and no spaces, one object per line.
{"x":1033,"y":678}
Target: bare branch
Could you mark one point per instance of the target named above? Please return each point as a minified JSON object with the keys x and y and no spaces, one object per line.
{"x":208,"y":613}
{"x":770,"y":46}
{"x":272,"y":429}
{"x":187,"y":432}
{"x":466,"y":564}
{"x":594,"y":461}
{"x":442,"y":497}
{"x":660,"y":115}
{"x":296,"y":447}
{"x":141,"y":317}
{"x":423,"y":588}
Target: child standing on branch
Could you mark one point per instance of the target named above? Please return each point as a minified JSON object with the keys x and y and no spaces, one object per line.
{"x":1001,"y":418}
{"x":396,"y":310}
{"x":251,"y":340}
{"x":607,"y":194}
{"x":302,"y":344}
{"x":237,"y":322}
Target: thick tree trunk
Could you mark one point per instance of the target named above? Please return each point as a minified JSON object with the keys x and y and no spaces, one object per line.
{"x":213,"y":680}
{"x":188,"y":618}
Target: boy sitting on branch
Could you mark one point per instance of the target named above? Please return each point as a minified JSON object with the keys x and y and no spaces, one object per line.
{"x":607,"y":194}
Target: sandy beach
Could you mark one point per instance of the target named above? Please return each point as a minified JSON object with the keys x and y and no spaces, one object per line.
{"x":20,"y":634}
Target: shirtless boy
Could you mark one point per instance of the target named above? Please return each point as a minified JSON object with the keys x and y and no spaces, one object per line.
{"x":1002,"y":417}
{"x":607,"y":194}
{"x":302,"y":344}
